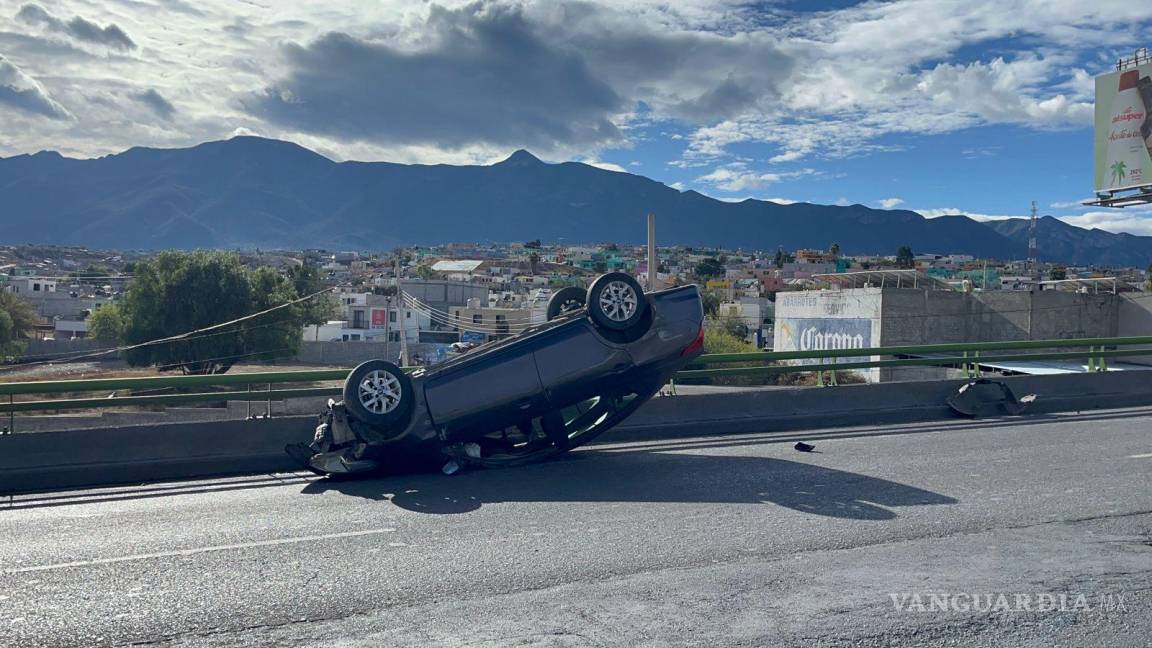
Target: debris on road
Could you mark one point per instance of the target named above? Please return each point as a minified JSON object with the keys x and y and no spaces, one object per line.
{"x":804,"y":447}
{"x":984,"y":397}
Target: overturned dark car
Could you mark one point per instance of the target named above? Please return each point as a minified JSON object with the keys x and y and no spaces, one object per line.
{"x":601,"y":354}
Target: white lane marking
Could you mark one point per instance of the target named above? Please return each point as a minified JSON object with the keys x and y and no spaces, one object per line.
{"x":197,"y":550}
{"x":1141,"y":456}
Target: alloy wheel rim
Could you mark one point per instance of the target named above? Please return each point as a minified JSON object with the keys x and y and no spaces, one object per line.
{"x":618,"y":301}
{"x":380,"y":392}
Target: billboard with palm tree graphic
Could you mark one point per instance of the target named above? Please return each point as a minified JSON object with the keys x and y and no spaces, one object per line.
{"x":1124,"y":129}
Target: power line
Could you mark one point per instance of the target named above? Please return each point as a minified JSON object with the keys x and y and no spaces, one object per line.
{"x":182,"y":337}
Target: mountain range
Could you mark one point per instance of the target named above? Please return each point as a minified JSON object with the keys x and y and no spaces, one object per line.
{"x":255,"y":192}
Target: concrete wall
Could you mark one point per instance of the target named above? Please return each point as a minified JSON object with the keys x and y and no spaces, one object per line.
{"x":1135,"y":319}
{"x":47,"y":349}
{"x":350,"y":354}
{"x":908,"y":316}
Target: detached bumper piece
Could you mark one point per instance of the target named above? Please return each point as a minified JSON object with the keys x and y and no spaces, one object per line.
{"x":986,"y":397}
{"x":338,"y":446}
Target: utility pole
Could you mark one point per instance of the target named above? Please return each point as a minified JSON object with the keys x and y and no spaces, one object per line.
{"x":1033,"y":265}
{"x":651,"y":252}
{"x":400,"y":318}
{"x":387,"y":316}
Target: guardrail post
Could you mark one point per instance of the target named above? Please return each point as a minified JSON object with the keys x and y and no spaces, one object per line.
{"x":1091,"y":359}
{"x":268,"y":409}
{"x":11,"y":416}
{"x":249,"y":401}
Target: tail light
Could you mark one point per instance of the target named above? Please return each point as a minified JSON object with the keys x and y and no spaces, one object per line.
{"x":696,"y":344}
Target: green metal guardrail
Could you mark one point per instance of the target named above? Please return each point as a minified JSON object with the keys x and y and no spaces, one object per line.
{"x":1095,"y":350}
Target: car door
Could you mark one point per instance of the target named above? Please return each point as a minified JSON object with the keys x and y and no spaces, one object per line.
{"x":493,"y":389}
{"x":576,"y":363}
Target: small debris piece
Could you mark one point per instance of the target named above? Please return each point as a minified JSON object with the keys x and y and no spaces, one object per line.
{"x":804,"y":447}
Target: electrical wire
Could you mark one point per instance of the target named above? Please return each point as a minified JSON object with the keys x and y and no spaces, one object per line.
{"x":413,"y":300}
{"x":182,"y":337}
{"x":464,"y":325}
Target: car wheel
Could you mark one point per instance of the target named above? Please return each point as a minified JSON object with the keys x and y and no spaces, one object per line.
{"x":616,"y":302}
{"x":379,"y":393}
{"x":565,"y":301}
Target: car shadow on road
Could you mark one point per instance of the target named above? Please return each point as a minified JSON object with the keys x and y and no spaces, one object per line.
{"x":649,"y":477}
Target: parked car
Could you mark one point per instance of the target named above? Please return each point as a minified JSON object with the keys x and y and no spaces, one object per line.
{"x":602,"y":353}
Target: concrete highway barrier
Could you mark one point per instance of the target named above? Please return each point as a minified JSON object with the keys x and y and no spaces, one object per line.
{"x":142,"y":453}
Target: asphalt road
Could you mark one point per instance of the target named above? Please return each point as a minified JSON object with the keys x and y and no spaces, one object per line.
{"x":721,"y":541}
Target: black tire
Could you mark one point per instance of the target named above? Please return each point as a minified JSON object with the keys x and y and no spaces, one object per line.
{"x":616,"y":302}
{"x":565,"y":301}
{"x":374,"y":404}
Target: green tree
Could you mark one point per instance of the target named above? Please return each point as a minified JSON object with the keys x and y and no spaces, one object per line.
{"x":905,"y":258}
{"x":181,"y":292}
{"x":21,"y":312}
{"x":1059,"y":273}
{"x":8,"y":343}
{"x":710,"y":302}
{"x":306,"y":281}
{"x":106,"y":324}
{"x":782,"y":257}
{"x":533,"y":262}
{"x":1148,"y":278}
{"x":834,"y":249}
{"x":734,"y":326}
{"x":533,"y":244}
{"x":709,"y":267}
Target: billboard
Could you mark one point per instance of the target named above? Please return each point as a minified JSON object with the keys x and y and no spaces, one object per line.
{"x":1123,"y":131}
{"x":824,"y":333}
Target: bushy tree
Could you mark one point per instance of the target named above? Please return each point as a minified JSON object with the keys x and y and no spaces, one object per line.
{"x":905,"y":258}
{"x":306,"y":281}
{"x":709,"y":267}
{"x":179,"y":292}
{"x":17,"y":319}
{"x":106,"y":324}
{"x":710,"y":302}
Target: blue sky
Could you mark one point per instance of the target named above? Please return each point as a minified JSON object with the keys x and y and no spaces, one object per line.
{"x":939,"y":106}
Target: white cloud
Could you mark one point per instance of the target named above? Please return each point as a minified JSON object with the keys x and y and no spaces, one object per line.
{"x":1132,"y":222}
{"x":21,"y":91}
{"x":607,"y":166}
{"x":782,"y":201}
{"x":738,"y":177}
{"x":824,"y":84}
{"x":890,"y":203}
{"x":936,"y":212}
{"x":1072,"y":204}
